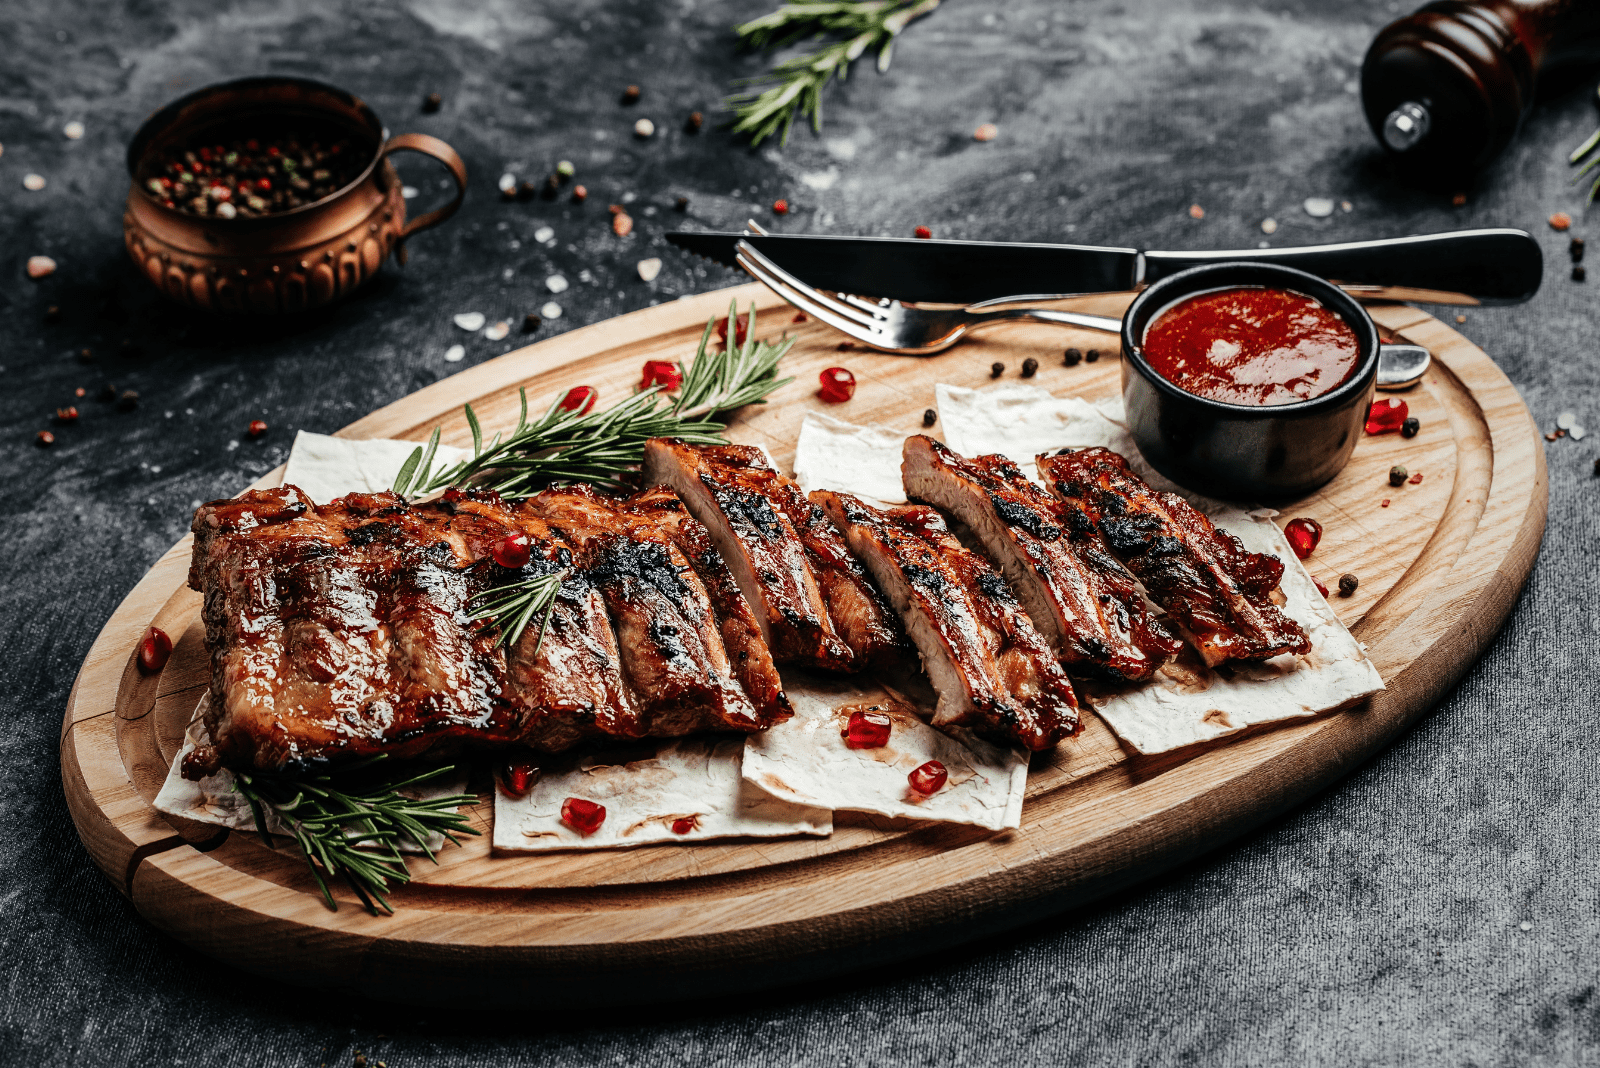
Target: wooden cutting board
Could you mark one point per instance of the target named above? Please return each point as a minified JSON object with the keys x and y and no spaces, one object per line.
{"x":1440,"y":567}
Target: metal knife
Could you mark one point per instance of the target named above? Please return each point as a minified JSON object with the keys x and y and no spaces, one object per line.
{"x":1463,"y":267}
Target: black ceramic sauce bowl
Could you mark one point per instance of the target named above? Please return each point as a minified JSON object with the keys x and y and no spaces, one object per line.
{"x":1235,"y":451}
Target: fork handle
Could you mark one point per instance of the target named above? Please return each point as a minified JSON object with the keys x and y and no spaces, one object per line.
{"x":1047,"y":315}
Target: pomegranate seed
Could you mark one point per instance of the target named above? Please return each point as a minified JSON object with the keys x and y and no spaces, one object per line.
{"x":154,"y":651}
{"x":1560,"y":221}
{"x":518,"y":779}
{"x":838,"y":385}
{"x":799,"y":317}
{"x":585,"y":817}
{"x":780,"y":207}
{"x":684,"y":825}
{"x":252,"y":145}
{"x":257,"y":427}
{"x":1303,"y":535}
{"x":272,"y":150}
{"x":1386,"y":416}
{"x":662,"y":373}
{"x":1320,"y":587}
{"x":1415,"y":479}
{"x":928,"y":779}
{"x":923,"y":231}
{"x":743,"y":329}
{"x":264,"y":184}
{"x":80,"y":392}
{"x":68,"y":414}
{"x":868,"y":729}
{"x":1384,"y":503}
{"x":512,"y":551}
{"x":579,"y":399}
{"x":44,"y":437}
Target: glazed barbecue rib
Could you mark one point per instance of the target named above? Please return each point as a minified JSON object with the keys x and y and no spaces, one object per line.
{"x":993,"y":672}
{"x":1083,"y":602}
{"x":815,"y":603}
{"x":342,"y":631}
{"x":1215,"y":590}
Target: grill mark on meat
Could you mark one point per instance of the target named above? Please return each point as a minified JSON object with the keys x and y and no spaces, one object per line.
{"x":993,"y":672}
{"x":1215,"y":590}
{"x":1078,"y":596}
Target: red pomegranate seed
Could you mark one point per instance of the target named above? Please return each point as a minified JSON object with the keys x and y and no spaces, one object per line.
{"x":1386,"y":416}
{"x":512,"y":551}
{"x":684,"y":825}
{"x":1415,"y":479}
{"x":579,"y":399}
{"x":923,"y":231}
{"x":799,"y":317}
{"x":1385,"y":503}
{"x":928,"y":779}
{"x":257,"y":428}
{"x":69,"y":414}
{"x":154,"y":651}
{"x":585,"y":817}
{"x":780,"y":207}
{"x":1303,"y":535}
{"x":838,"y":385}
{"x":663,"y":373}
{"x":739,"y":334}
{"x":518,"y":779}
{"x":868,"y":729}
{"x":1320,"y":587}
{"x":264,"y":184}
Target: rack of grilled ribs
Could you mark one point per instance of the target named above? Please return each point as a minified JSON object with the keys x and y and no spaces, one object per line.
{"x":1215,"y":590}
{"x":343,"y":631}
{"x":1079,"y":597}
{"x":815,"y":603}
{"x":993,"y":672}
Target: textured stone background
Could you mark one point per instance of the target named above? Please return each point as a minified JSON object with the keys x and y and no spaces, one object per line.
{"x":1381,"y":923}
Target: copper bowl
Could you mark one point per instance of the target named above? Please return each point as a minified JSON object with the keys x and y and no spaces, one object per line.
{"x":289,"y":261}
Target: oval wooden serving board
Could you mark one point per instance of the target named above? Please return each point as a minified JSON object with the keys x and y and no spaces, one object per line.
{"x":1440,"y":568}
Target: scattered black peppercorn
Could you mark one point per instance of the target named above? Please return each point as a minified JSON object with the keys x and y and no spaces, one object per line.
{"x":530,"y":323}
{"x":1597,"y":466}
{"x":552,"y":187}
{"x":1578,"y":273}
{"x":527,"y":190}
{"x":1072,"y":358}
{"x":1398,"y":475}
{"x":431,"y":103}
{"x":1030,"y":367}
{"x":86,"y":356}
{"x":631,"y":95}
{"x":1348,"y":584}
{"x":996,"y":369}
{"x":1409,"y":428}
{"x":128,"y":401}
{"x":108,"y":392}
{"x":683,"y":204}
{"x":929,"y":417}
{"x":1575,"y":249}
{"x":1091,"y":356}
{"x":846,"y":346}
{"x":52,"y":314}
{"x":696,"y":120}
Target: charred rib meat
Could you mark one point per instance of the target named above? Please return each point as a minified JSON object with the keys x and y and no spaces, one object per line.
{"x":993,"y":672}
{"x":1208,"y":583}
{"x":1076,"y":593}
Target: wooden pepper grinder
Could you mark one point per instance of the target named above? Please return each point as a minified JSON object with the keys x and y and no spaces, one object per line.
{"x":1446,"y":88}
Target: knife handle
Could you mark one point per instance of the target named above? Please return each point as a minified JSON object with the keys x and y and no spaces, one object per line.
{"x":1465,"y":267}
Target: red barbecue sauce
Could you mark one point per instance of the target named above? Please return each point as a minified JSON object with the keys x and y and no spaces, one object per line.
{"x":1252,"y":346}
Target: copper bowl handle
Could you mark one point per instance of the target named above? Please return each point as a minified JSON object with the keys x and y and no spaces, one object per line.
{"x":431,"y":146}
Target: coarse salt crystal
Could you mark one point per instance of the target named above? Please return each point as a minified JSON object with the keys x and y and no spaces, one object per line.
{"x":648,"y":269}
{"x":508,"y":182}
{"x":543,"y":234}
{"x":408,"y":191}
{"x":72,"y":131}
{"x":471,"y":321}
{"x":1577,"y":433}
{"x":1318,"y":207}
{"x":556,"y":284}
{"x":33,"y":182}
{"x":1566,"y":419}
{"x":1269,"y":226}
{"x":498,"y":330}
{"x":551,"y":310}
{"x":455,"y":354}
{"x":39,"y":266}
{"x":644,"y":128}
{"x":986,"y":132}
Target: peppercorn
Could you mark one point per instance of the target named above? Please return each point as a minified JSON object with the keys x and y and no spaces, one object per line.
{"x":527,"y":190}
{"x":996,"y":369}
{"x":1575,"y":249}
{"x":44,"y":439}
{"x":431,"y":103}
{"x":1409,"y":428}
{"x":52,"y":314}
{"x":929,"y":417}
{"x":1091,"y":356}
{"x":631,"y":94}
{"x":1348,"y":584}
{"x":1072,"y":358}
{"x":1578,"y":273}
{"x":682,"y":204}
{"x":128,"y":401}
{"x":1398,"y":475}
{"x":846,"y":346}
{"x":1030,"y":367}
{"x":696,"y":120}
{"x":530,"y":323}
{"x":552,"y":187}
{"x":1597,"y":466}
{"x":108,"y":392}
{"x":86,"y":356}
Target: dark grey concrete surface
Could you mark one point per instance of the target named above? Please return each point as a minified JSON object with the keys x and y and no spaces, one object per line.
{"x":1440,"y":906}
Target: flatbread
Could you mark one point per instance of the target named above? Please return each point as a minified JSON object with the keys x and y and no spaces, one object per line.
{"x":835,"y":455}
{"x":645,"y":795}
{"x":326,"y":467}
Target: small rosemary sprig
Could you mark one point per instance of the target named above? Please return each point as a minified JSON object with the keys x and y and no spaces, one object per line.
{"x":1577,"y":155}
{"x":510,"y":608}
{"x":353,"y":830}
{"x":795,"y":85}
{"x":601,"y":447}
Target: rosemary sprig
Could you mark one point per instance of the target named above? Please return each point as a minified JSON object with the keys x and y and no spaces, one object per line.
{"x":510,"y":608}
{"x":353,"y":831}
{"x":600,"y":447}
{"x":1577,"y":155}
{"x":795,"y":85}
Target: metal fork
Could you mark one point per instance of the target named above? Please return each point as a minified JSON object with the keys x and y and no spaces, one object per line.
{"x":890,"y":326}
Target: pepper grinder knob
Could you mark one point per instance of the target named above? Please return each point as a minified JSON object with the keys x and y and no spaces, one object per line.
{"x":1406,"y":125}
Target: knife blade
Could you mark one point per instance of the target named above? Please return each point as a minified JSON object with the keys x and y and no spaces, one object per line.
{"x":1498,"y":266}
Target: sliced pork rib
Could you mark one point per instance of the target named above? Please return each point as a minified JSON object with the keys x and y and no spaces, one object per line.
{"x":1078,"y":596}
{"x":1205,"y":579}
{"x":993,"y":672}
{"x":815,"y":604}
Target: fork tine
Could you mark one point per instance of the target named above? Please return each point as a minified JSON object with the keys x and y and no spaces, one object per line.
{"x":802,"y":299}
{"x":747,"y":250}
{"x":865,"y":304}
